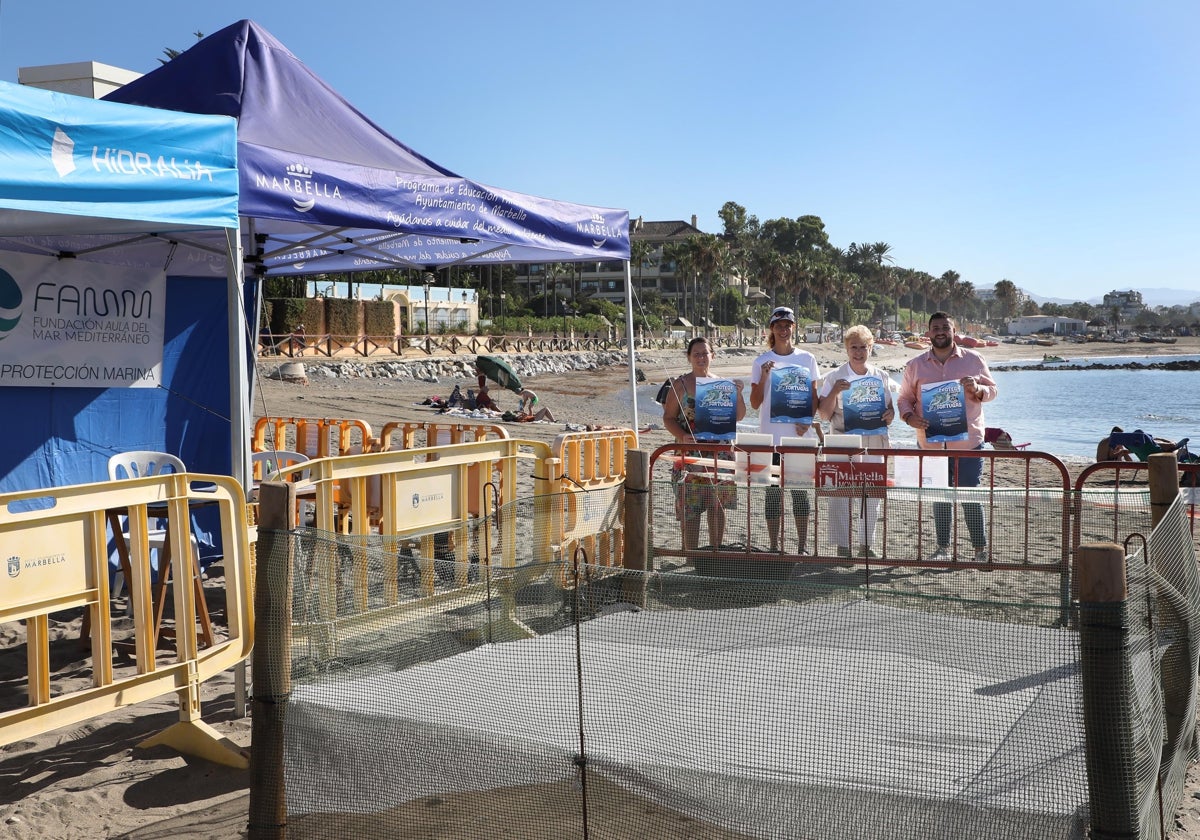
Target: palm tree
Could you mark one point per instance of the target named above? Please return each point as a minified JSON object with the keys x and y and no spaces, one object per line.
{"x":708,"y":257}
{"x":963,"y":297}
{"x":1008,"y":297}
{"x":822,"y":279}
{"x":680,"y":255}
{"x":639,"y":252}
{"x":945,"y":287}
{"x":771,"y":267}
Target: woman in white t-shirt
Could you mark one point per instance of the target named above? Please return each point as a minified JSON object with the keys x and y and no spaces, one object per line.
{"x":781,"y":353}
{"x":859,"y":342}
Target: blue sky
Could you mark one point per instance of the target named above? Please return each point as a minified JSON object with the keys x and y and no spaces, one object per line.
{"x":1053,"y":144}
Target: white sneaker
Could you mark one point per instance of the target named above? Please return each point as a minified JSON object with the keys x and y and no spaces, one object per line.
{"x":942,"y":555}
{"x":982,"y":555}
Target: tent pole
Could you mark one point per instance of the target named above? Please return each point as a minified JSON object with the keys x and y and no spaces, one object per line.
{"x":239,"y":384}
{"x":629,"y":344}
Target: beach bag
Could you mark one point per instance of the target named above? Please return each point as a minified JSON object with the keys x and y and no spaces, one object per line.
{"x":661,"y":396}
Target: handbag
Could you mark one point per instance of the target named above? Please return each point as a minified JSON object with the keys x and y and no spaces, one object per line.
{"x":661,"y":396}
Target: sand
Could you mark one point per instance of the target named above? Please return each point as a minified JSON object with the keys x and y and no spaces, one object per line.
{"x":91,"y":781}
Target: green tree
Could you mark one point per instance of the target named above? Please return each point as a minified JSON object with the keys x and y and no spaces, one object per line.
{"x":171,"y":53}
{"x":1007,"y":297}
{"x":639,"y":254}
{"x":707,"y":255}
{"x":963,"y":299}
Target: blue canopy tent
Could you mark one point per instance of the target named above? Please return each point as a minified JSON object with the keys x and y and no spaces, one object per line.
{"x":324,"y":189}
{"x":118,"y":262}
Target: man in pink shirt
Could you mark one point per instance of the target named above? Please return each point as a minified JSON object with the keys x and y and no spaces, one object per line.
{"x":945,"y":361}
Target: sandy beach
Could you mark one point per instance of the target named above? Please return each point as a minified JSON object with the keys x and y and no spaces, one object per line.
{"x":91,"y":780}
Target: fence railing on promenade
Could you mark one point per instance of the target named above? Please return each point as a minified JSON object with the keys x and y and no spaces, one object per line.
{"x":333,"y":346}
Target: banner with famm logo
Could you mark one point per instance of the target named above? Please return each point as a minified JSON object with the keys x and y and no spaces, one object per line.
{"x":76,"y":324}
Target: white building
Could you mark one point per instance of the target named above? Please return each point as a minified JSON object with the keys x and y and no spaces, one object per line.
{"x":1055,"y":324}
{"x":1128,"y":303}
{"x":81,"y":78}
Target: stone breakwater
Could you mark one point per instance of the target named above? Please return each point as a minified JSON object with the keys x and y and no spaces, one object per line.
{"x":1174,"y":364}
{"x":436,"y":369}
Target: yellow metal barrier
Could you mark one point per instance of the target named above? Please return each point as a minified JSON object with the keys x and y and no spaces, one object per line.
{"x":55,"y":542}
{"x":590,"y":462}
{"x":422,"y":492}
{"x":317,"y":438}
{"x":399,"y":435}
{"x":594,"y":459}
{"x":314,"y":437}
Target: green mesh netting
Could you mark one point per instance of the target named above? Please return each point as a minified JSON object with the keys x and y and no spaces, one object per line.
{"x":451,"y":696}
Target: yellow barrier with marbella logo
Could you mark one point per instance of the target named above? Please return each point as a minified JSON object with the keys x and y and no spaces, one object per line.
{"x":55,"y":546}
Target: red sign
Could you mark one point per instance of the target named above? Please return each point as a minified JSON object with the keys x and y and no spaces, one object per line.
{"x":844,"y":474}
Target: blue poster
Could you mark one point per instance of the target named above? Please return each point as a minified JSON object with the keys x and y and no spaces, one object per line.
{"x":716,"y":409}
{"x":944,"y":405}
{"x":791,"y":395}
{"x":863,"y":405}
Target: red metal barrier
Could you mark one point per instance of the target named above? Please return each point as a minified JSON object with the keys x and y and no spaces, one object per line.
{"x":1119,"y":488}
{"x":1038,"y":492}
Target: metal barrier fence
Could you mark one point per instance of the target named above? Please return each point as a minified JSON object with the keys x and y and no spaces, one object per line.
{"x":899,"y":484}
{"x":314,"y":437}
{"x":548,"y":693}
{"x":56,"y":544}
{"x":411,"y":435}
{"x":1113,"y":501}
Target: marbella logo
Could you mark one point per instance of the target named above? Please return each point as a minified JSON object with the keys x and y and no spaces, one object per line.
{"x":14,"y":566}
{"x":301,"y":184}
{"x":10,"y":304}
{"x":596,"y":227}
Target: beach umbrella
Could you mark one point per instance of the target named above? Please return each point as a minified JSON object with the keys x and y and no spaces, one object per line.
{"x":499,"y":371}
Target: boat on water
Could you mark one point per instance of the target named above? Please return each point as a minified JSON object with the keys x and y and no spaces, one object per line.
{"x":1050,"y":360}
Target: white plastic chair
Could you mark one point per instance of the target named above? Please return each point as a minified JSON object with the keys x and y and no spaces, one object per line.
{"x":140,"y":464}
{"x":276,"y":460}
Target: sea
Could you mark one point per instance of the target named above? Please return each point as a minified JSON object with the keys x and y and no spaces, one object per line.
{"x":1065,"y":411}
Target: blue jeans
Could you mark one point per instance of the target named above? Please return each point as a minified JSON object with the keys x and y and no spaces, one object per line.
{"x":964,"y":472}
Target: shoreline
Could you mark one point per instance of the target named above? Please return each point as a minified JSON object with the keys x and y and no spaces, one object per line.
{"x":578,"y":390}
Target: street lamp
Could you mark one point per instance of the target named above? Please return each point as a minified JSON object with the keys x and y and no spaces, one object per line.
{"x":427,"y":279}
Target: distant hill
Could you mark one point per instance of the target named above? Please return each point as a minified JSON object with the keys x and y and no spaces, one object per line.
{"x":1152,"y":297}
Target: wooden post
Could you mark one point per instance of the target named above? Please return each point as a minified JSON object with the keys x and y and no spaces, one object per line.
{"x":1164,"y":484}
{"x":272,"y":659}
{"x":1106,"y":672}
{"x":637,"y":519}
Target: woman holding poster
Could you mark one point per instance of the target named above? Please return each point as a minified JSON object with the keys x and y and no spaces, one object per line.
{"x":783,"y":388}
{"x":856,"y":400}
{"x":700,"y":408}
